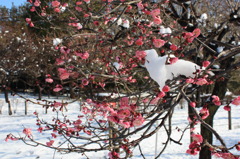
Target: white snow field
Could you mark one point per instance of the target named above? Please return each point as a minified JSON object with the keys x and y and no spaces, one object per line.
{"x":18,"y":150}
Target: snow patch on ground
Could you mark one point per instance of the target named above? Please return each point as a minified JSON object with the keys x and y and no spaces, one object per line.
{"x":18,"y":150}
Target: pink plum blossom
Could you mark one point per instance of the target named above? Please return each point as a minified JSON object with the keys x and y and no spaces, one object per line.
{"x":189,"y":80}
{"x":157,"y":20}
{"x":238,"y":147}
{"x":54,"y":135}
{"x":155,"y":12}
{"x":123,"y":113}
{"x":124,"y":101}
{"x":201,"y":81}
{"x":89,"y":101}
{"x":173,"y":47}
{"x":140,"y":54}
{"x":59,"y":61}
{"x":27,"y":131}
{"x":50,"y":143}
{"x":192,"y":104}
{"x":196,"y":32}
{"x":57,"y":104}
{"x":216,"y":100}
{"x":31,"y":24}
{"x":204,"y":113}
{"x":173,"y":60}
{"x":140,"y":5}
{"x":161,"y":94}
{"x":55,"y":4}
{"x":205,"y":63}
{"x":155,"y":100}
{"x":138,"y":121}
{"x":79,"y":9}
{"x":189,"y":37}
{"x":64,"y":50}
{"x":166,"y":88}
{"x":236,"y":101}
{"x":10,"y":137}
{"x":192,"y":151}
{"x":49,"y":80}
{"x":139,"y":42}
{"x":197,"y":137}
{"x":113,"y":119}
{"x":145,"y":100}
{"x":37,"y":3}
{"x":87,"y":1}
{"x":113,"y":155}
{"x":227,"y":108}
{"x":227,"y":156}
{"x":33,"y":9}
{"x":57,"y":10}
{"x":78,"y":2}
{"x":58,"y":88}
{"x":158,"y":43}
{"x":124,"y":124}
{"x":194,"y":148}
{"x":85,"y":82}
{"x":64,"y":75}
{"x":85,"y":55}
{"x":28,"y":20}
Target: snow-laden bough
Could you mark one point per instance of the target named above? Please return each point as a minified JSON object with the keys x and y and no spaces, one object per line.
{"x":160,"y":72}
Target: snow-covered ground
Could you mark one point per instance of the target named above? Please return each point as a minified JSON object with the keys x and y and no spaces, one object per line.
{"x":18,"y":150}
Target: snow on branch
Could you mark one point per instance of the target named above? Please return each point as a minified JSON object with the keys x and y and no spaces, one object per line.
{"x":160,"y":71}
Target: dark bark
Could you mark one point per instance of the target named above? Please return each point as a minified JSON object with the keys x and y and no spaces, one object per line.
{"x":220,"y":89}
{"x":39,"y":92}
{"x":8,"y":101}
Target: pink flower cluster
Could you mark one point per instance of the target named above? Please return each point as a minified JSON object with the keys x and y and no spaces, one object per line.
{"x":227,"y":108}
{"x":158,"y":42}
{"x":206,"y":63}
{"x":55,"y":4}
{"x":48,"y":79}
{"x":63,"y":73}
{"x":10,"y":137}
{"x":199,"y":81}
{"x":77,"y":25}
{"x":140,"y":54}
{"x":29,"y":21}
{"x":84,"y":55}
{"x":126,"y":115}
{"x":113,"y":155}
{"x":28,"y":132}
{"x":155,"y":15}
{"x":216,"y":100}
{"x":50,"y":143}
{"x":37,"y":3}
{"x":139,"y":42}
{"x":190,"y":36}
{"x":224,"y":155}
{"x":195,"y":146}
{"x":58,"y":88}
{"x":204,"y":113}
{"x":236,"y":101}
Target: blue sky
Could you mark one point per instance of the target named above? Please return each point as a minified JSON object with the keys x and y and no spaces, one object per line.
{"x":8,"y":3}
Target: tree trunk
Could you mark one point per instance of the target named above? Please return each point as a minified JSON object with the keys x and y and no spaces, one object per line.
{"x":72,"y":93}
{"x":39,"y":92}
{"x":8,"y":101}
{"x":26,"y":107}
{"x":220,"y":89}
{"x":191,"y":116}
